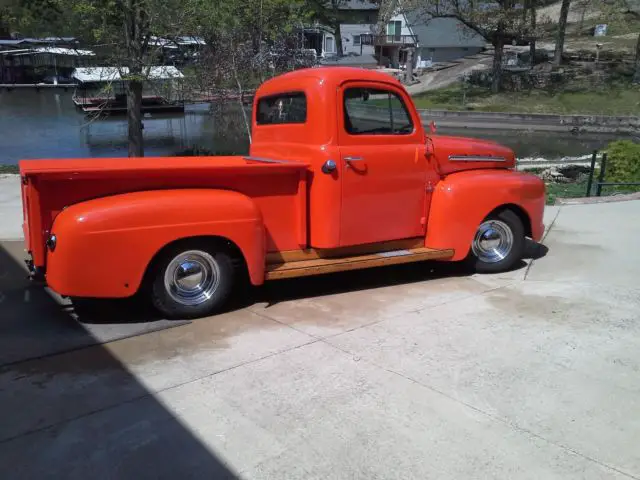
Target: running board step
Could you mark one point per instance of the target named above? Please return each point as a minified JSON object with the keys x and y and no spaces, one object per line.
{"x":319,"y":266}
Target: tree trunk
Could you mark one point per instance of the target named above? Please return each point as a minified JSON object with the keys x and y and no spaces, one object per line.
{"x":562,"y":28}
{"x":534,"y":26}
{"x":134,"y":118}
{"x":496,"y":81}
{"x":136,"y":25}
{"x":408,"y":79}
{"x":337,"y":35}
{"x":636,"y":73}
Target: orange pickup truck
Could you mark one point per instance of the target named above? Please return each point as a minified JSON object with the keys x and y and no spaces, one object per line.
{"x":341,"y":175}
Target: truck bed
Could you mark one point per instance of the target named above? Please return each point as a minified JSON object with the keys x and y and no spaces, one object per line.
{"x":48,"y":186}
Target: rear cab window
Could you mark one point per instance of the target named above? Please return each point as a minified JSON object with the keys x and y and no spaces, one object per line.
{"x":283,"y":108}
{"x":373,"y":111}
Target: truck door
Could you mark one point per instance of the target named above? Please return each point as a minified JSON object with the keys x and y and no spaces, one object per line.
{"x":383,"y":165}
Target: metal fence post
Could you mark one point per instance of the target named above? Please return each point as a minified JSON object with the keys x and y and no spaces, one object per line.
{"x":591,"y":172}
{"x":603,"y":167}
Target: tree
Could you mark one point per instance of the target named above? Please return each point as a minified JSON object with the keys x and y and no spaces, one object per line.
{"x":562,"y":28}
{"x":625,"y":12}
{"x":494,"y":20}
{"x":631,"y":10}
{"x":530,"y":10}
{"x":246,"y":42}
{"x":123,"y":27}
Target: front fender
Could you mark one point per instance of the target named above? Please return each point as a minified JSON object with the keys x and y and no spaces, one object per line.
{"x":104,"y":245}
{"x":462,"y":200}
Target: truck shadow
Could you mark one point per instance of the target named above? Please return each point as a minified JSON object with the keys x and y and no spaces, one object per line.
{"x":75,"y":410}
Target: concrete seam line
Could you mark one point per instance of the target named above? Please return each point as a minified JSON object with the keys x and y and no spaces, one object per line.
{"x":544,"y":237}
{"x":150,"y":393}
{"x":504,"y":421}
{"x":267,"y":317}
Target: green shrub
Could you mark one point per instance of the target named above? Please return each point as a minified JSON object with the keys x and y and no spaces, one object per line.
{"x":623,"y":163}
{"x":9,"y":169}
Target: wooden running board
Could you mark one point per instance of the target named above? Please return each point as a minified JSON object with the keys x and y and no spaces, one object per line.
{"x":303,"y":268}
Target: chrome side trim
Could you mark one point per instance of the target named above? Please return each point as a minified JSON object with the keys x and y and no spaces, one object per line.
{"x":265,"y":160}
{"x":475,"y":158}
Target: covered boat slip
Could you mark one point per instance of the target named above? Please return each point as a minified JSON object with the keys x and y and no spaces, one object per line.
{"x":103,"y":90}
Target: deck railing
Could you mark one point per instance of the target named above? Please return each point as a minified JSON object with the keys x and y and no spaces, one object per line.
{"x":388,"y":40}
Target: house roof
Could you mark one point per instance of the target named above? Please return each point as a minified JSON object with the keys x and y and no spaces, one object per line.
{"x":111,"y":74}
{"x":442,"y":32}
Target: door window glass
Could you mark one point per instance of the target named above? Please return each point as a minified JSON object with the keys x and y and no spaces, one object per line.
{"x":369,"y":111}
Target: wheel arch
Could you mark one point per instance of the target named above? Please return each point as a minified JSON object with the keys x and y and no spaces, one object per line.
{"x":214,"y":241}
{"x":519,"y":211}
{"x":463,"y":200}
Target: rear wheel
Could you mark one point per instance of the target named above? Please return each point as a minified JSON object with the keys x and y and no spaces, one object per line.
{"x":192,"y":280}
{"x":498,"y":243}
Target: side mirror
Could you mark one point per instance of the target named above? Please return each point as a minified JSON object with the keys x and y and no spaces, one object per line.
{"x":432,"y":127}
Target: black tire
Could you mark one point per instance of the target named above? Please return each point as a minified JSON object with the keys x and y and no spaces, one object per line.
{"x":504,"y":218}
{"x":181,"y":265}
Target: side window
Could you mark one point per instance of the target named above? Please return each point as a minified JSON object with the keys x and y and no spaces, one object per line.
{"x":370,"y":111}
{"x":282,"y":108}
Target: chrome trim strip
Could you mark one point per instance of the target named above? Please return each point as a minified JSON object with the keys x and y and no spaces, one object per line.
{"x":475,"y":158}
{"x":264,"y":160}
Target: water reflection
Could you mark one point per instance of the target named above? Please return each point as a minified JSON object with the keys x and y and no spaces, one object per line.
{"x":46,"y":124}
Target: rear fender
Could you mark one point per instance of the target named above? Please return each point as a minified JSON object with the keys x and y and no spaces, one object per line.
{"x":104,"y":246}
{"x":463,"y":200}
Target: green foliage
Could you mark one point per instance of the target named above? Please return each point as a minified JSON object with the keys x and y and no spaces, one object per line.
{"x":9,"y":169}
{"x":623,"y":163}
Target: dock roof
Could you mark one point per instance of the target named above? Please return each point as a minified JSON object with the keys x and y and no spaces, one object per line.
{"x":114,"y":74}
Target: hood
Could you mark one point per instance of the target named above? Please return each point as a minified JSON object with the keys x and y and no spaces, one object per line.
{"x":454,"y":154}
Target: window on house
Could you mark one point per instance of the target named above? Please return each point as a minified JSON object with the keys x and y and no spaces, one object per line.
{"x":329,"y":45}
{"x":356,"y":40}
{"x":394,"y":29}
{"x":370,"y":111}
{"x":282,"y":108}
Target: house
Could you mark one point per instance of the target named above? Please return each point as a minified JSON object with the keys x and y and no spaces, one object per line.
{"x":357,"y":18}
{"x":443,"y":39}
{"x":434,"y":39}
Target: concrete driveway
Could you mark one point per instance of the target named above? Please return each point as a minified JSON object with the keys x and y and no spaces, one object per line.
{"x":410,"y":372}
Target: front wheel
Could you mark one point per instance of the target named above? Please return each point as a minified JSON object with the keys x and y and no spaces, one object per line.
{"x":192,"y":281}
{"x":498,"y":243}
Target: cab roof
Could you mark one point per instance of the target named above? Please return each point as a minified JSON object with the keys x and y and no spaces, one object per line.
{"x":328,"y":75}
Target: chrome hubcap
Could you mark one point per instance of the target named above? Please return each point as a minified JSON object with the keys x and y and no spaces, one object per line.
{"x":192,"y":277}
{"x":493,"y":241}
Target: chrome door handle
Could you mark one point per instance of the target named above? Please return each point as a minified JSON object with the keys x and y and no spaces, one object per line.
{"x":353,"y":159}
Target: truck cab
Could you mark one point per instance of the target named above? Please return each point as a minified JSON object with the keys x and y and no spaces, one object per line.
{"x":341,"y":175}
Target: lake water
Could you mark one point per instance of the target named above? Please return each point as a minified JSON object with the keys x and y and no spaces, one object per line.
{"x":46,"y":124}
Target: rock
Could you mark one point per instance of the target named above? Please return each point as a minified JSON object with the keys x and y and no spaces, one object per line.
{"x":554,"y":175}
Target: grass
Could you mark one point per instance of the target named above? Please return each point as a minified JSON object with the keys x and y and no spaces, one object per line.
{"x":616,"y":99}
{"x":565,"y":190}
{"x":9,"y":169}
